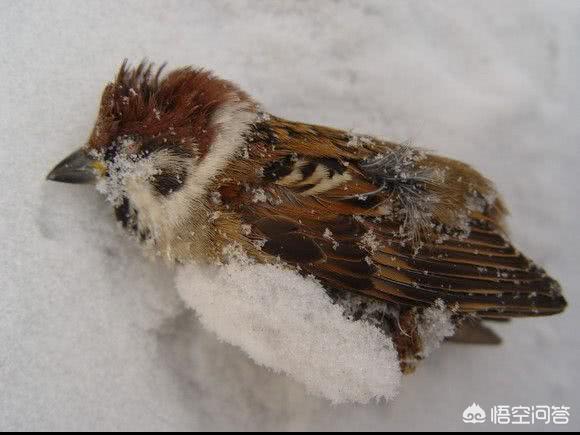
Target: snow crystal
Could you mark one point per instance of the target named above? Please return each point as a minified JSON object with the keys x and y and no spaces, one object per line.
{"x":330,"y":237}
{"x":259,"y":244}
{"x":259,"y":196}
{"x":358,"y":140}
{"x":289,"y":324}
{"x":215,"y":215}
{"x":435,"y":326}
{"x":359,"y":307}
{"x":399,"y":170}
{"x":121,"y":170}
{"x":216,"y":198}
{"x":370,"y":241}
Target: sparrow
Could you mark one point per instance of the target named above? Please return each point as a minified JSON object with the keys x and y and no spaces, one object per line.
{"x":192,"y":165}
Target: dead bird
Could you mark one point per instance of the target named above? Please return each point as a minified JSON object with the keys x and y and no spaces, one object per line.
{"x":193,"y":165}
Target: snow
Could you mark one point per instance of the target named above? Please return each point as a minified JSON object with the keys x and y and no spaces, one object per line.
{"x":94,"y":335}
{"x":123,"y":169}
{"x":369,"y":240}
{"x":289,"y":324}
{"x":330,"y":237}
{"x":435,"y":326}
{"x":259,"y":196}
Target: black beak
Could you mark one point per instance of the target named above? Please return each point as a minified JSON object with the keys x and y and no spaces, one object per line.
{"x":78,"y":168}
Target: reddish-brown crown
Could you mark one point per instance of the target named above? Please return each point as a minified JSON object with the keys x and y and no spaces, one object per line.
{"x":180,"y":105}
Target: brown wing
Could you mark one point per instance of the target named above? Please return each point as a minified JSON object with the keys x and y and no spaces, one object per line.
{"x":384,"y":220}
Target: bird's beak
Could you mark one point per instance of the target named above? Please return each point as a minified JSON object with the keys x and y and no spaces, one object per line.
{"x":78,"y":168}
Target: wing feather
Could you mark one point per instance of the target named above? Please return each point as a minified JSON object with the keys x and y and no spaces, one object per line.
{"x":387,"y":221}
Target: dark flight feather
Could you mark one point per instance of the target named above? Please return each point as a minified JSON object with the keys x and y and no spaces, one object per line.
{"x":404,"y":226}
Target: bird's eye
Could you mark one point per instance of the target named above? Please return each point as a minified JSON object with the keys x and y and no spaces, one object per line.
{"x":111,"y":152}
{"x":167,"y":181}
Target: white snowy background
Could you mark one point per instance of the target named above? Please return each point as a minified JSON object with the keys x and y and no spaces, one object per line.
{"x":93,"y":335}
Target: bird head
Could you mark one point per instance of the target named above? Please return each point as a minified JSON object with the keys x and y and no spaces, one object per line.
{"x":157,"y":143}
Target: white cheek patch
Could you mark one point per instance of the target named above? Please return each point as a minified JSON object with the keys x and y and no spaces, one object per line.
{"x":148,"y":205}
{"x":130,"y":177}
{"x":156,"y":212}
{"x":231,"y":121}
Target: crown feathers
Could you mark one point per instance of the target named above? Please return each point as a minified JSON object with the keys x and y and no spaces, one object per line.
{"x":179,"y":105}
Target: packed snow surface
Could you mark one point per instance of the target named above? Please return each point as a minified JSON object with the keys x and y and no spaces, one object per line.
{"x":95,"y":337}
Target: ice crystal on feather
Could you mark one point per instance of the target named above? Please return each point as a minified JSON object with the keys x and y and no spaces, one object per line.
{"x":399,"y":171}
{"x":124,"y":167}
